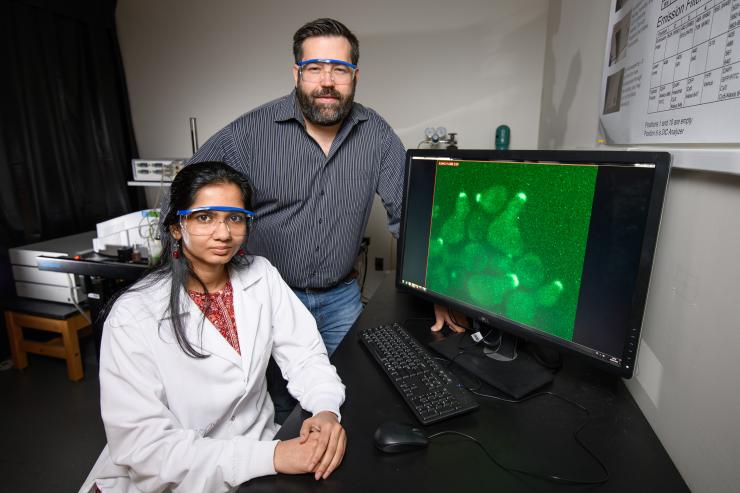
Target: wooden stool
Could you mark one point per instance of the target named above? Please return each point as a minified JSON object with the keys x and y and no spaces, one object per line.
{"x":49,"y":317}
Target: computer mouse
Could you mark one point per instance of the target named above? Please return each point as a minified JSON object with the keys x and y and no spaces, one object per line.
{"x":394,"y":437}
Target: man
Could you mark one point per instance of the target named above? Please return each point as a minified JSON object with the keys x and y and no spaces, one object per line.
{"x":315,"y":159}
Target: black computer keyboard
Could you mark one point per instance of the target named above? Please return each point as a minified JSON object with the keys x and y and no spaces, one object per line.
{"x":429,"y":389}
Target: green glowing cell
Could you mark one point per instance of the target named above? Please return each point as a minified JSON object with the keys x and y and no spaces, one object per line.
{"x":487,"y":290}
{"x":474,"y":256}
{"x":504,"y":234}
{"x":521,"y":306}
{"x":514,"y":280}
{"x":530,"y":270}
{"x":478,"y":197}
{"x":548,"y":294}
{"x":439,"y":273}
{"x":453,"y":230}
{"x":478,"y":223}
{"x":493,"y":199}
{"x":436,"y":248}
{"x":498,"y":262}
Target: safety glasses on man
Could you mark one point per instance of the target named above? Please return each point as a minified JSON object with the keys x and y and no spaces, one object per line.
{"x":203,"y":221}
{"x":339,"y":71}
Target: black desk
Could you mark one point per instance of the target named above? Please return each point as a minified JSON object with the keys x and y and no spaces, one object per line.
{"x":536,"y":436}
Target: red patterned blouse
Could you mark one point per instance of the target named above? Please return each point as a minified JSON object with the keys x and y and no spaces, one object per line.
{"x":219,"y":309}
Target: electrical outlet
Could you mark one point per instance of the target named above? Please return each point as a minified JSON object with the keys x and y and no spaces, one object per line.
{"x":378,"y":263}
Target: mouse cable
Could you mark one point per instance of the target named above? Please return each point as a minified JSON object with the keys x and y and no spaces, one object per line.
{"x":547,"y":477}
{"x":578,"y":440}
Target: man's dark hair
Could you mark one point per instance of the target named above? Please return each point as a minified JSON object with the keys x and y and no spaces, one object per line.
{"x":325,"y":27}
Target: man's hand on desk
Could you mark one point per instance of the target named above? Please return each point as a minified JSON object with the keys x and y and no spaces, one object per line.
{"x":319,"y":449}
{"x":444,"y":316}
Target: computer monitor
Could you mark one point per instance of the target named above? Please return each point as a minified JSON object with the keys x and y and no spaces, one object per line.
{"x":555,"y":247}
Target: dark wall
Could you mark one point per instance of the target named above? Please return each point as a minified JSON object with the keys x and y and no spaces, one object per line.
{"x":66,"y":139}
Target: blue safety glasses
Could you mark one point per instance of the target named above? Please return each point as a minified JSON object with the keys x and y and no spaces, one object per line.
{"x":339,"y":71}
{"x":202,"y":221}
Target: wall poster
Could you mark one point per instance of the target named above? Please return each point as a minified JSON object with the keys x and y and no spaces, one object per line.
{"x":672,"y":72}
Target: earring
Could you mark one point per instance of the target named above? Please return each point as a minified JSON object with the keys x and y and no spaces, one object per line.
{"x":176,"y":249}
{"x":241,"y":252}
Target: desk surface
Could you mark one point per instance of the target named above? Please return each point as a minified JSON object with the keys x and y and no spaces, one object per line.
{"x":536,"y":435}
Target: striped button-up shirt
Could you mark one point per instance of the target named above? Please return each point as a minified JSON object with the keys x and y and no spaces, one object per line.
{"x":312,"y":209}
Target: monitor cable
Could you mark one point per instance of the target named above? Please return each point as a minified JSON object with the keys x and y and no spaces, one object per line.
{"x":462,"y":348}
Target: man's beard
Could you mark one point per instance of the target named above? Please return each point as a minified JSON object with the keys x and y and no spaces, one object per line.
{"x":325,"y":114}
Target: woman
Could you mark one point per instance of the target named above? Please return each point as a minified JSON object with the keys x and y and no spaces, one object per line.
{"x":184,"y":353}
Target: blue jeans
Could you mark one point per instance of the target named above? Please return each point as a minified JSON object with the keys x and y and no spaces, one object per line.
{"x":335,"y":310}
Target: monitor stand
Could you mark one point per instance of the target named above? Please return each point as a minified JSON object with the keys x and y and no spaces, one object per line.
{"x":498,"y":345}
{"x":496,"y":360}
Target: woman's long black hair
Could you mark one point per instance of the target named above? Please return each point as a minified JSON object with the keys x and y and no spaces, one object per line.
{"x":178,"y":268}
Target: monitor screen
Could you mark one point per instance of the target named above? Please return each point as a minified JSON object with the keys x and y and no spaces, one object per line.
{"x":551,"y":246}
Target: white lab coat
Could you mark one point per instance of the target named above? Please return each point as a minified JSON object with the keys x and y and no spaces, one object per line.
{"x":175,"y":423}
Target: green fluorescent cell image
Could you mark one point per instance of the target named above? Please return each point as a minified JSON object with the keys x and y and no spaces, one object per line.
{"x":511,"y":238}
